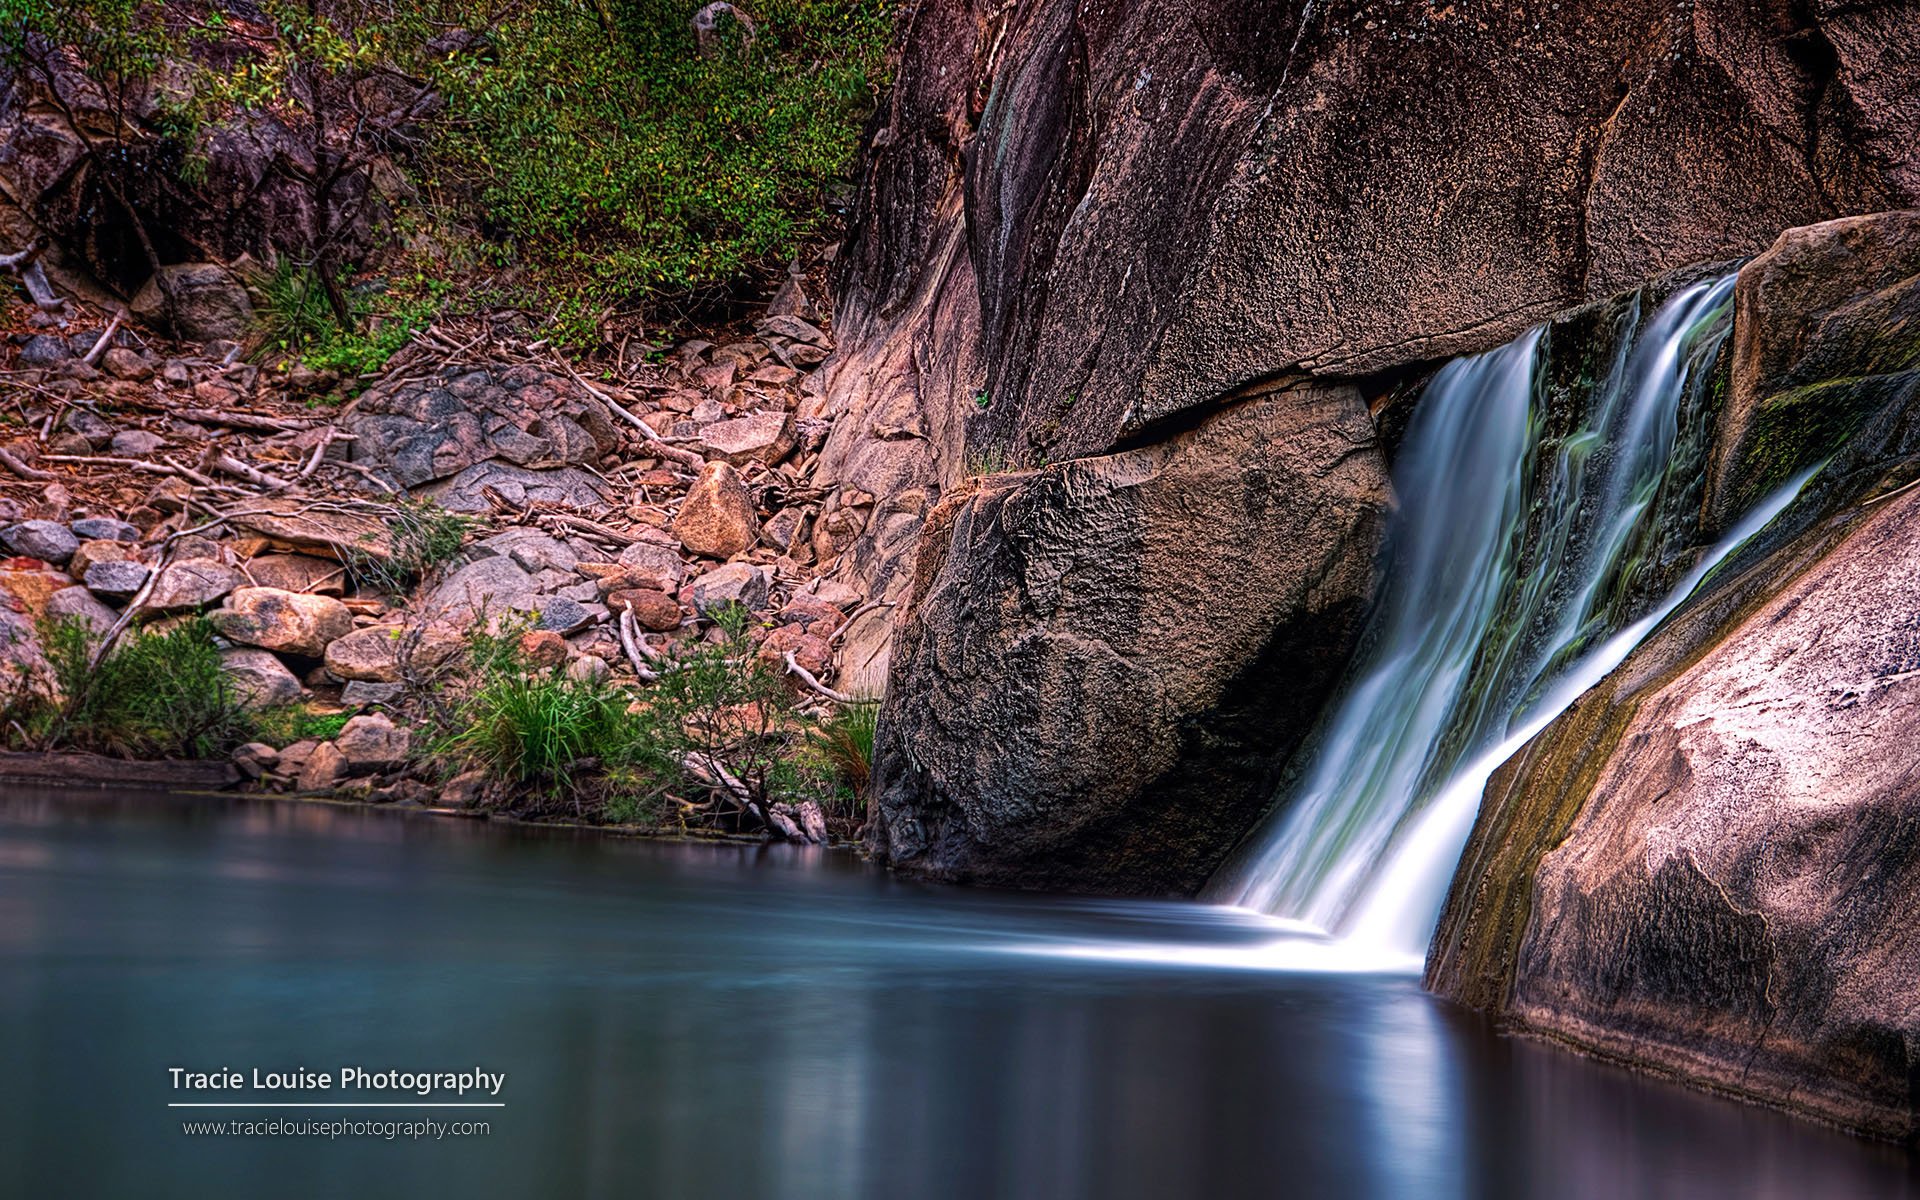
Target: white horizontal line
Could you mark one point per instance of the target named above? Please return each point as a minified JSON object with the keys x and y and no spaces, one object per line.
{"x":240,"y":1104}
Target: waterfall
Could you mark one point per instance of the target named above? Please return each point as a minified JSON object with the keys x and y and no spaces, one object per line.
{"x":1537,"y":537}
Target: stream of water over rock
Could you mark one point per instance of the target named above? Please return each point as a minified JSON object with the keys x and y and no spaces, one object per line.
{"x":1539,"y":534}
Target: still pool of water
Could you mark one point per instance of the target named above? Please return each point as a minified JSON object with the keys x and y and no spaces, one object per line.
{"x":699,"y":1021}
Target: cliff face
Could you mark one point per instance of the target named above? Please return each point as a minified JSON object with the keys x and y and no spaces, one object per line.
{"x":1082,"y":227}
{"x":1704,"y":867}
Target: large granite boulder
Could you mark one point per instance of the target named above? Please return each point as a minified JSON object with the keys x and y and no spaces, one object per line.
{"x":1826,"y":355}
{"x":1104,"y":662}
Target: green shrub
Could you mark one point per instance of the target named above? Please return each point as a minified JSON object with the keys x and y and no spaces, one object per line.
{"x":535,"y":727}
{"x":293,"y":321}
{"x":620,"y":163}
{"x":156,"y":695}
{"x":423,"y":537}
{"x":297,"y":723}
{"x":846,"y":740}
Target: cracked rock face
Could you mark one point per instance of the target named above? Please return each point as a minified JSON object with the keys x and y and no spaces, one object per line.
{"x":1104,"y":662}
{"x":1076,"y":222}
{"x":420,"y":431}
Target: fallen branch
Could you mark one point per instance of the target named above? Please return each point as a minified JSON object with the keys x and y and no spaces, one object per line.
{"x":21,"y":469}
{"x":106,"y":339}
{"x":855,"y":615}
{"x":319,"y":452}
{"x":33,"y":276}
{"x":131,"y":464}
{"x":631,"y":641}
{"x":257,"y":422}
{"x":240,"y":470}
{"x":807,"y":677}
{"x":661,"y":446}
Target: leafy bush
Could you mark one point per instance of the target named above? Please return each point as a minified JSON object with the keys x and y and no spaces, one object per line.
{"x":621,"y":162}
{"x":297,"y":723}
{"x":294,"y":320}
{"x":540,"y":727}
{"x":716,"y":723}
{"x":156,"y":695}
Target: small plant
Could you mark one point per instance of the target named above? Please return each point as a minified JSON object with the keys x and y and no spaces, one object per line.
{"x":537,"y":728}
{"x":297,"y":723}
{"x":422,"y":537}
{"x":986,"y":462}
{"x":155,"y":695}
{"x":846,"y":741}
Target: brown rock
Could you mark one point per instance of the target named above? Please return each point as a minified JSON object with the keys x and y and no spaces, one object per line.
{"x":1822,"y":355}
{"x":299,"y":573}
{"x":124,"y":363}
{"x":757,"y":437}
{"x":288,"y":622}
{"x":322,"y":769}
{"x":183,"y":586}
{"x":809,"y":650}
{"x":543,"y":648}
{"x":813,"y":615}
{"x":373,"y":654}
{"x":1095,"y":613}
{"x":1725,"y":870}
{"x":653,"y":610}
{"x":30,"y":585}
{"x":717,"y":518}
{"x":372,"y":742}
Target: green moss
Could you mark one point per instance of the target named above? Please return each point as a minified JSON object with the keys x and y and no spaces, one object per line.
{"x":1794,"y":429}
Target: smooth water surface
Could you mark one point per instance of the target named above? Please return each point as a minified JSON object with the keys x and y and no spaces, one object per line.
{"x":697,"y":1021}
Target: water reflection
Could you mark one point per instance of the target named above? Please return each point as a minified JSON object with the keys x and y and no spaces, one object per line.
{"x":719,"y":1022}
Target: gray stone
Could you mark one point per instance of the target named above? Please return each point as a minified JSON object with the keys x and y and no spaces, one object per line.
{"x":107,"y":529}
{"x":260,"y":678}
{"x":484,"y":585}
{"x":588,"y":668}
{"x":209,"y":302}
{"x":736,"y":583}
{"x":533,"y":550}
{"x":44,"y":350}
{"x":664,"y":562}
{"x":361,"y":693}
{"x":135,"y":443}
{"x":467,"y":491}
{"x":116,"y":580}
{"x":79,"y":602}
{"x":188,"y":585}
{"x":372,"y":743}
{"x":557,"y":613}
{"x":89,"y":425}
{"x":369,"y":655}
{"x":48,"y":541}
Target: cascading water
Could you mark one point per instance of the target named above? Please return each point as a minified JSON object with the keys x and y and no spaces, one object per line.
{"x":1521,"y":565}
